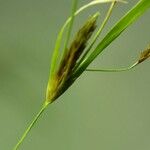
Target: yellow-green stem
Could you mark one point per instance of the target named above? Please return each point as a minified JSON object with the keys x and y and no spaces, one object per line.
{"x":30,"y":127}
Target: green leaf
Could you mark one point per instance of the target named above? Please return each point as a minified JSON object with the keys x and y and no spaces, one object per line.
{"x":127,"y":20}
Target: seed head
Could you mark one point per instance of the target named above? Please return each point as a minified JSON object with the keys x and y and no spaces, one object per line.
{"x":144,"y":55}
{"x":71,"y":57}
{"x":78,"y":45}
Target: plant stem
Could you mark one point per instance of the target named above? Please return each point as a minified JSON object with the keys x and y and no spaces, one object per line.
{"x":75,"y":3}
{"x":114,"y":70}
{"x":30,"y":127}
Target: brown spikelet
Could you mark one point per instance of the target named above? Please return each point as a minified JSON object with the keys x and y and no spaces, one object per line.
{"x":144,"y":55}
{"x":77,"y":46}
{"x":70,"y":58}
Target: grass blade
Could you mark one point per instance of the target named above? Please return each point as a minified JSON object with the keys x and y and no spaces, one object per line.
{"x":75,"y":2}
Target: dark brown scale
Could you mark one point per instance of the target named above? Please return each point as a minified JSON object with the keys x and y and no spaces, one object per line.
{"x":144,"y":55}
{"x":77,"y":47}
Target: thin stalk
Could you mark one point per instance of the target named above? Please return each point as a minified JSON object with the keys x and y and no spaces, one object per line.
{"x":56,"y":54}
{"x":114,"y":70}
{"x":74,"y":7}
{"x":98,"y":32}
{"x":30,"y":127}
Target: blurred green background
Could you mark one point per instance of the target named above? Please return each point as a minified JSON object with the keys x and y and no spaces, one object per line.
{"x":101,"y":111}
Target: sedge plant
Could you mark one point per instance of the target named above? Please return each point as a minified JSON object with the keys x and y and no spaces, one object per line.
{"x":69,"y":62}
